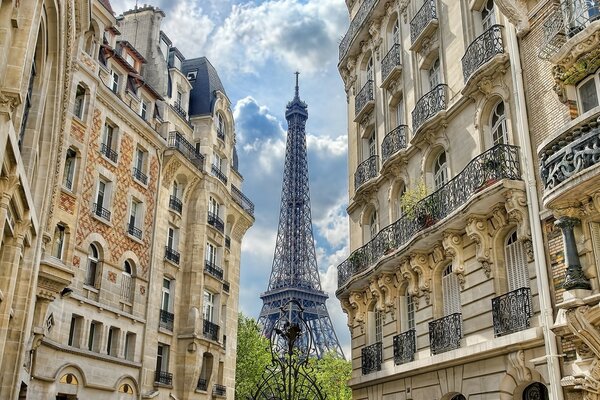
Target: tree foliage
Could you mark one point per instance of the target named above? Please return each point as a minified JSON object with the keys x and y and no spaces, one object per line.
{"x":253,"y":356}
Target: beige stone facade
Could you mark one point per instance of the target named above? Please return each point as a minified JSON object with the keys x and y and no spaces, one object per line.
{"x":122,"y":210}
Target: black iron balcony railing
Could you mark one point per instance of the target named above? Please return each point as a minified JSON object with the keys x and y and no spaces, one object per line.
{"x":216,"y":222}
{"x":429,"y":105}
{"x":163,"y":377}
{"x":242,"y":200}
{"x":219,"y":390}
{"x":499,"y":162}
{"x":101,"y":211}
{"x":371,"y":357}
{"x":363,"y":97}
{"x":482,"y":50}
{"x":134,"y":231}
{"x":172,"y":255}
{"x":180,"y":110}
{"x":366,"y":170}
{"x":575,"y":150}
{"x":426,"y":14}
{"x":445,"y":333}
{"x":216,"y":171}
{"x":108,"y":152}
{"x":356,"y":25}
{"x":210,"y":330}
{"x":511,"y":311}
{"x":227,"y":242}
{"x":393,"y":59}
{"x":202,"y":384}
{"x":175,"y":204}
{"x":404,"y":347}
{"x":140,"y":176}
{"x":166,"y":320}
{"x":226,"y":290}
{"x":213,"y":269}
{"x":394,"y":141}
{"x":179,"y":142}
{"x":221,"y":134}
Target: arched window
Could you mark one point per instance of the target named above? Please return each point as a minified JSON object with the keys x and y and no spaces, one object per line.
{"x":516,"y":263}
{"x":127,"y":282}
{"x":206,"y":371}
{"x":440,"y":171}
{"x":458,"y":397}
{"x":488,"y":18}
{"x":93,"y":267}
{"x":498,"y":125}
{"x":373,"y":228}
{"x":535,"y":391}
{"x":434,"y":74}
{"x":69,"y":172}
{"x":396,"y":33}
{"x":450,"y":291}
{"x":400,"y":210}
{"x":58,"y":241}
{"x":220,"y":126}
{"x":369,"y":70}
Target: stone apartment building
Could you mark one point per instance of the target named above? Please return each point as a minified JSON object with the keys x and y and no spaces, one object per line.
{"x":123,"y":210}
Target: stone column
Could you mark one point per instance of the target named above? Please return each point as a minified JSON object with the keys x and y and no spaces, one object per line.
{"x":574,"y":277}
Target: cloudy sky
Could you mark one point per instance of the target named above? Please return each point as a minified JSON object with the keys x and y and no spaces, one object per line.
{"x":256,"y":46}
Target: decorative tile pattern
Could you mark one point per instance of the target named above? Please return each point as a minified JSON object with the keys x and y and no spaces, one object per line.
{"x":67,"y":203}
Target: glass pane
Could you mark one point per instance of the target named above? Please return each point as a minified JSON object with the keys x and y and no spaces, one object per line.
{"x":588,"y":95}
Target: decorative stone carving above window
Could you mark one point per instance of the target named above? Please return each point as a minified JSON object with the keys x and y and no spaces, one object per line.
{"x":516,"y":12}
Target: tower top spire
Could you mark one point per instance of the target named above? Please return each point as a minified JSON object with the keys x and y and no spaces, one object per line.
{"x":296,"y":106}
{"x":297,"y":88}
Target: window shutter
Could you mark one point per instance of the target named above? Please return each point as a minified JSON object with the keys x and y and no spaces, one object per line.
{"x":516,"y":265}
{"x":451,"y":292}
{"x":595,"y":231}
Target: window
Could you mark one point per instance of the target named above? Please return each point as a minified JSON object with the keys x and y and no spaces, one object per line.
{"x":114,"y":81}
{"x":209,"y":306}
{"x":488,"y":17}
{"x":69,"y":172}
{"x":164,"y":48}
{"x":588,"y":94}
{"x":516,"y":263}
{"x":220,"y":126}
{"x":440,"y":171}
{"x":191,"y":76}
{"x":434,"y":74}
{"x":75,"y":331}
{"x":93,"y":267}
{"x":108,"y":147}
{"x":379,"y":326}
{"x":130,"y":346}
{"x":58,"y":241}
{"x":373,"y":228}
{"x":369,"y":70}
{"x":172,"y":238}
{"x":135,"y":218}
{"x":28,"y":102}
{"x":112,"y":342}
{"x":175,"y":190}
{"x":410,"y":312}
{"x":94,"y":336}
{"x":498,"y":125}
{"x":211,"y":255}
{"x":102,"y":203}
{"x":143,"y":109}
{"x":139,"y":167}
{"x":127,"y":283}
{"x":400,"y":112}
{"x":165,"y":302}
{"x":213,"y":206}
{"x":396,"y":32}
{"x":179,"y":98}
{"x":372,"y":145}
{"x":78,"y":108}
{"x":129,"y":58}
{"x":162,"y":358}
{"x":450,"y":291}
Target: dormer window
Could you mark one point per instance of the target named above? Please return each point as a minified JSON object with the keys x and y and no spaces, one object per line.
{"x":130,"y":60}
{"x":114,"y":81}
{"x":191,"y":76}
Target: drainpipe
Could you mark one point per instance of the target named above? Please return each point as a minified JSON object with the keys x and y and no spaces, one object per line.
{"x":546,"y":312}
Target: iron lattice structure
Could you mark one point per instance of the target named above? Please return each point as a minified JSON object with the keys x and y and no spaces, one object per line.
{"x":295,"y":275}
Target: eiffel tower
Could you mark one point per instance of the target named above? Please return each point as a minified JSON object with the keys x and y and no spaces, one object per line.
{"x":295,"y":275}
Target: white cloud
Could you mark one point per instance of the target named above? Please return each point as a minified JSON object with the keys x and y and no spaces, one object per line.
{"x":335,"y":147}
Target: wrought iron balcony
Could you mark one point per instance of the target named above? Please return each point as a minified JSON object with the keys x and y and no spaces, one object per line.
{"x":366,"y":170}
{"x":482,"y":50}
{"x":226,"y":287}
{"x":134,"y":231}
{"x":445,"y":333}
{"x":364,"y":100}
{"x":565,"y":22}
{"x":227,"y":242}
{"x":499,"y":162}
{"x":210,"y":330}
{"x":394,"y":141}
{"x":242,"y":200}
{"x":219,"y":390}
{"x":180,"y":110}
{"x":140,"y":176}
{"x":371,"y":357}
{"x":166,"y":320}
{"x":356,"y":25}
{"x":216,"y":171}
{"x":429,"y":105}
{"x":574,"y":151}
{"x":202,"y":385}
{"x":391,"y":64}
{"x":179,"y":142}
{"x":175,"y":204}
{"x":404,"y":347}
{"x":101,"y":211}
{"x":172,"y":255}
{"x":511,"y":311}
{"x":425,"y":18}
{"x":164,"y":378}
{"x":108,"y":152}
{"x":216,"y":222}
{"x":213,"y":269}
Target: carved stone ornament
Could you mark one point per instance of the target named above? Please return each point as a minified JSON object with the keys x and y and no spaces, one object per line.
{"x":419,"y":263}
{"x":477,"y":230}
{"x":376,"y":293}
{"x":405,"y":273}
{"x":8,"y":102}
{"x":516,"y":208}
{"x":349,"y":311}
{"x":517,"y":367}
{"x":358,"y":302}
{"x":452,"y":243}
{"x":516,"y":12}
{"x":387,"y":285}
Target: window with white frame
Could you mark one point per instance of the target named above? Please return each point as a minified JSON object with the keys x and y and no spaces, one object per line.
{"x":587,"y":92}
{"x":396,"y":32}
{"x":516,"y":263}
{"x":373,"y":225}
{"x":440,"y":170}
{"x":79,"y":106}
{"x":165,"y":300}
{"x":498,"y":125}
{"x":399,"y":112}
{"x":162,"y":357}
{"x":211,"y":255}
{"x":410,"y":312}
{"x":179,"y":98}
{"x":450,"y":291}
{"x":208,"y":309}
{"x":127,"y":282}
{"x":372,"y":145}
{"x":139,"y":165}
{"x":112,"y":342}
{"x":144,"y":109}
{"x":369,"y":70}
{"x":129,"y":351}
{"x":129,"y":58}
{"x":379,"y":316}
{"x":108,"y":147}
{"x":102,"y":204}
{"x":114,"y":81}
{"x":69,"y":171}
{"x":488,"y":17}
{"x":93,"y":267}
{"x":175,"y":190}
{"x":172,"y":238}
{"x":214,"y":206}
{"x":94,"y":336}
{"x":220,"y":126}
{"x":135,"y":218}
{"x":58,"y":242}
{"x":434,"y":74}
{"x":75,"y":331}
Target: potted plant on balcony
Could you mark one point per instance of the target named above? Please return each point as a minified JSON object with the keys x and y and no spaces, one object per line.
{"x":416,"y":206}
{"x":490,"y":172}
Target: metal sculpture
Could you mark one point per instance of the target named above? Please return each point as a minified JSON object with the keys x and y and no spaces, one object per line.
{"x":290,"y":375}
{"x":295,"y":275}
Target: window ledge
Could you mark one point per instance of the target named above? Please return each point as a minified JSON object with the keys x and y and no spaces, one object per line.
{"x":90,"y":288}
{"x":165,"y":331}
{"x":142,"y":184}
{"x":135,"y":238}
{"x":104,"y":221}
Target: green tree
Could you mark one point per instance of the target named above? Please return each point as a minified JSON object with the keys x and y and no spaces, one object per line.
{"x":332,"y":375}
{"x":253,"y":356}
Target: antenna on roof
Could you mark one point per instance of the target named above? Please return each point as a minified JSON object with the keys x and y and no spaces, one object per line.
{"x":297,"y":89}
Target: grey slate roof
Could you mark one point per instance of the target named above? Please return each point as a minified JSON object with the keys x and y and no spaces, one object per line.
{"x":202,"y":96}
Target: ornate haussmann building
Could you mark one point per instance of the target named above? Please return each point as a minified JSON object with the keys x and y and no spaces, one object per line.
{"x":121,"y":208}
{"x":474,"y":199}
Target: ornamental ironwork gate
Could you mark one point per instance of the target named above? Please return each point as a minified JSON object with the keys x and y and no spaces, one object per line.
{"x":290,"y":375}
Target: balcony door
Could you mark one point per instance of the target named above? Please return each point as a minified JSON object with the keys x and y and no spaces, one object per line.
{"x":516,"y":263}
{"x":488,"y":17}
{"x":450,"y":291}
{"x":369,"y":70}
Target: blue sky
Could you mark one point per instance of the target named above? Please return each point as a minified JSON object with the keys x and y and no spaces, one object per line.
{"x":256,"y":46}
